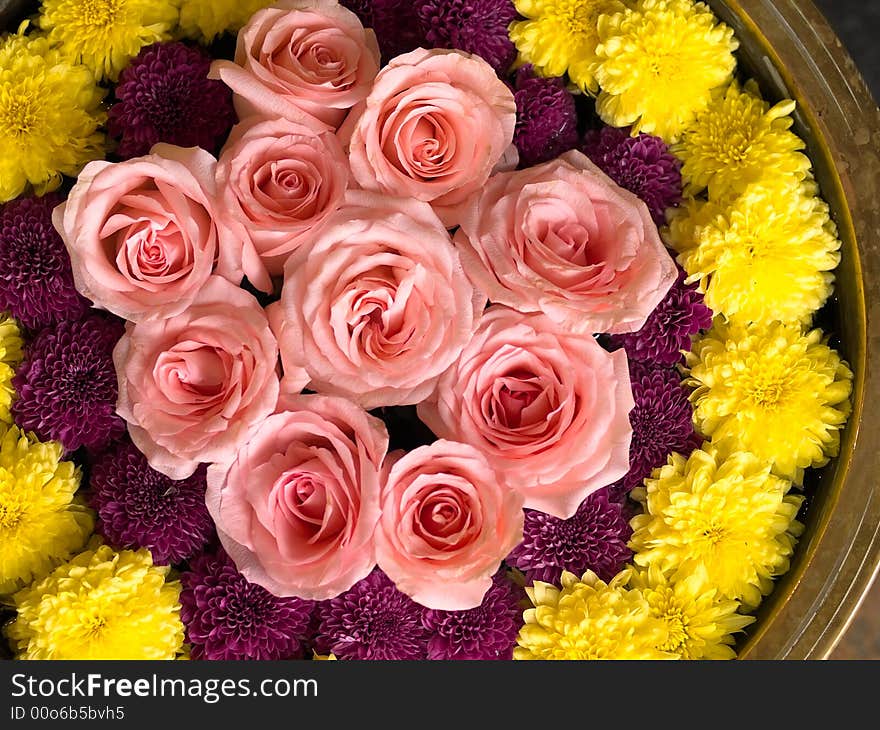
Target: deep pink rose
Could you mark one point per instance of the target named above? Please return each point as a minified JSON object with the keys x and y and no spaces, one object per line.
{"x":433,"y":128}
{"x":548,"y":409}
{"x":194,"y":386}
{"x":446,"y":525}
{"x":563,"y":239}
{"x":310,"y":61}
{"x":142,"y":234}
{"x":277,"y":182}
{"x":297,"y":507}
{"x":377,"y":306}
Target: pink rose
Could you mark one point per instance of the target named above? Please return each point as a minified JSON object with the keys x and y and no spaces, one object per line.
{"x":294,"y":378}
{"x":446,"y":525}
{"x":377,"y":306}
{"x":142,"y":234}
{"x":277,"y":181}
{"x":434,"y":126}
{"x":307,"y":60}
{"x":563,"y":239}
{"x":548,"y":409}
{"x":297,"y":507}
{"x":194,"y":386}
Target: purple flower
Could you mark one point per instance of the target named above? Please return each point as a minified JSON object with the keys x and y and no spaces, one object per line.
{"x":395,"y":23}
{"x":670,"y":327}
{"x":473,"y":26}
{"x":67,"y":385}
{"x":227,"y":617}
{"x":594,"y":538}
{"x":139,"y":507}
{"x":643,"y":165}
{"x":165,"y":95}
{"x":662,"y":421}
{"x":372,"y":620}
{"x":485,"y":632}
{"x":36,"y":282}
{"x":546,"y":118}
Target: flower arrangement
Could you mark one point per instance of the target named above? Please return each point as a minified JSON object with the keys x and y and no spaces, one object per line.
{"x":407,"y":330}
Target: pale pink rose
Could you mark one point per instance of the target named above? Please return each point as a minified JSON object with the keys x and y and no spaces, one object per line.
{"x":377,"y":306}
{"x":310,"y":61}
{"x":549,"y":410}
{"x":277,"y":182}
{"x":563,"y":239}
{"x":194,"y":386}
{"x":294,"y":378}
{"x":433,"y":128}
{"x":446,"y":525}
{"x":142,"y":234}
{"x":297,"y":507}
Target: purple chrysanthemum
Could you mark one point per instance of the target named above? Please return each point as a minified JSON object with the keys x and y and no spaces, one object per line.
{"x":485,"y":632}
{"x":372,"y":620}
{"x":643,"y":165}
{"x":546,"y":118}
{"x":36,"y":281}
{"x":473,"y":26}
{"x":229,"y":618}
{"x":670,"y":328}
{"x":395,"y":23}
{"x":165,"y":95}
{"x":594,"y":538}
{"x":662,"y":420}
{"x":67,"y":385}
{"x":139,"y":507}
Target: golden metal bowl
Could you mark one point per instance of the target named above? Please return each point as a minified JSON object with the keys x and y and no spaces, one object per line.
{"x":790,"y":48}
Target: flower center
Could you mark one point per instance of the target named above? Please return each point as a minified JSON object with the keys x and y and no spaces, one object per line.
{"x":766,"y":391}
{"x":676,"y":625}
{"x":10,"y":515}
{"x":714,"y":534}
{"x":99,"y":12}
{"x":93,"y":625}
{"x":18,"y":116}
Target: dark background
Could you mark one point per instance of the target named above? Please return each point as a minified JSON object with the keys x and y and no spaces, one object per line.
{"x":857,"y":22}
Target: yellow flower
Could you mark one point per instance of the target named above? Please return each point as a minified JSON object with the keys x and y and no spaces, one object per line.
{"x":11,"y":355}
{"x":766,"y":256}
{"x":731,"y":516}
{"x":102,"y":604}
{"x":41,"y":521}
{"x":50,"y":113}
{"x":658,"y":64}
{"x":204,"y":20}
{"x":104,"y":35}
{"x":738,"y":140}
{"x":700,"y":624}
{"x":773,"y":391}
{"x":589,"y":619}
{"x":560,"y":36}
{"x":331,"y":657}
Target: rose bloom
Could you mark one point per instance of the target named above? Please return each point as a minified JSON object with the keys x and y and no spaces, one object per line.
{"x":548,"y":409}
{"x":194,"y":386}
{"x":446,"y":525}
{"x":377,"y":306}
{"x":563,"y":239}
{"x":297,"y":507}
{"x":277,"y":181}
{"x":310,"y":61}
{"x":434,"y":126}
{"x":142,"y":234}
{"x":293,"y":378}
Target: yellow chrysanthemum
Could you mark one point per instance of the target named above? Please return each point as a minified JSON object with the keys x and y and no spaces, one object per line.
{"x":104,"y":35}
{"x":204,"y":20}
{"x":50,"y":113}
{"x":589,"y":619}
{"x":773,"y":391}
{"x":766,"y":256}
{"x":560,"y":36}
{"x":102,"y":604}
{"x":658,"y":63}
{"x":331,"y":657}
{"x":731,"y":516}
{"x":41,"y":521}
{"x":738,"y":140}
{"x":11,"y":355}
{"x":699,"y":623}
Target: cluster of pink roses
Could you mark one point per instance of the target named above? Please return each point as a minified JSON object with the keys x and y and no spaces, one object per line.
{"x":340,"y":186}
